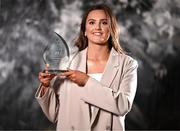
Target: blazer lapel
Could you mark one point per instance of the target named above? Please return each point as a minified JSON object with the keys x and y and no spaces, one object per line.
{"x":110,"y":69}
{"x":108,"y":76}
{"x":79,"y":62}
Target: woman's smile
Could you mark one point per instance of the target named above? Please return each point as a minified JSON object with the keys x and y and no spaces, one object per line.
{"x":97,"y":33}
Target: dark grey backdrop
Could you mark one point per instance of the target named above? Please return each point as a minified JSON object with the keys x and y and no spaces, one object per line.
{"x":150,"y":32}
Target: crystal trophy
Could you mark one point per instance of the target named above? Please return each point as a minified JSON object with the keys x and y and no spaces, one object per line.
{"x":56,"y":54}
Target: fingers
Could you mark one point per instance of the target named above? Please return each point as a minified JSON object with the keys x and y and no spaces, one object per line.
{"x":67,"y":73}
{"x":75,"y":76}
{"x":46,"y":75}
{"x":46,"y":68}
{"x":45,"y":78}
{"x":72,"y":77}
{"x":43,"y":75}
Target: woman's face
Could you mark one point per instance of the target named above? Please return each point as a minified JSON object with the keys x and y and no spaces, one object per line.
{"x":97,"y":27}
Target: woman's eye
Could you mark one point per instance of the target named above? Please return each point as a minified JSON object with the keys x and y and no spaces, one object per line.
{"x":104,"y":23}
{"x":91,"y":22}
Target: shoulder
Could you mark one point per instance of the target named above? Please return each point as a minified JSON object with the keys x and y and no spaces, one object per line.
{"x":128,"y":59}
{"x":125,"y":59}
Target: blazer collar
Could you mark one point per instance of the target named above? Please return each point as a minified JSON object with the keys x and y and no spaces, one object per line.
{"x":113,"y":60}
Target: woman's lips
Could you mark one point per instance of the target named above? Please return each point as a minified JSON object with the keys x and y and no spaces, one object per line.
{"x":97,"y":33}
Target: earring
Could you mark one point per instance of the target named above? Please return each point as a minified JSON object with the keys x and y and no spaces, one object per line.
{"x":85,"y":34}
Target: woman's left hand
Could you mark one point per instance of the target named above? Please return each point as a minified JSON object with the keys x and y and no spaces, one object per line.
{"x":76,"y":76}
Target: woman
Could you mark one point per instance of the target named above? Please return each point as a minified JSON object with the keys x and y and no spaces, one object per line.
{"x":98,"y":89}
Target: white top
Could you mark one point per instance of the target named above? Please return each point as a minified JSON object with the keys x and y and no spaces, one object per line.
{"x":96,"y":76}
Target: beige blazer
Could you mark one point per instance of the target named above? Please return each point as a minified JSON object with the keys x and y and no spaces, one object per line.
{"x":68,"y":104}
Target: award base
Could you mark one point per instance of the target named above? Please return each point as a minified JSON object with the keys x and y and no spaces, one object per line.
{"x":56,"y":71}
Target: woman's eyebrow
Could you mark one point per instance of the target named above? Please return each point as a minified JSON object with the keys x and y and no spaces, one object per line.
{"x":95,"y":19}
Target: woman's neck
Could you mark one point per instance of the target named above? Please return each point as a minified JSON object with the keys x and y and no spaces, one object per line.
{"x":98,"y":52}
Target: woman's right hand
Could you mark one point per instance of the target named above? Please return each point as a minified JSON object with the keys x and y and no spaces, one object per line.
{"x":45,"y":77}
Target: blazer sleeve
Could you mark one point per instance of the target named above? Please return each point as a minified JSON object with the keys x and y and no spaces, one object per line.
{"x":118,"y":102}
{"x":49,"y":102}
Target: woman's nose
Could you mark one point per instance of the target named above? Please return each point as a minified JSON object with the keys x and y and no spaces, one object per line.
{"x":98,"y":26}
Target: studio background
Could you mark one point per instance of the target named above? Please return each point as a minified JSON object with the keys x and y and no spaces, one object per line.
{"x":150,"y":31}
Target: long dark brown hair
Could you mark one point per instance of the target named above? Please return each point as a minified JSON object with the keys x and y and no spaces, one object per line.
{"x":81,"y":42}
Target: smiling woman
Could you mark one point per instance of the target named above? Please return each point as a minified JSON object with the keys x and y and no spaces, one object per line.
{"x":98,"y":89}
{"x":97,"y":27}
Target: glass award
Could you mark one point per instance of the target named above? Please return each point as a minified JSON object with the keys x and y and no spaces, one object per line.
{"x":56,"y":54}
